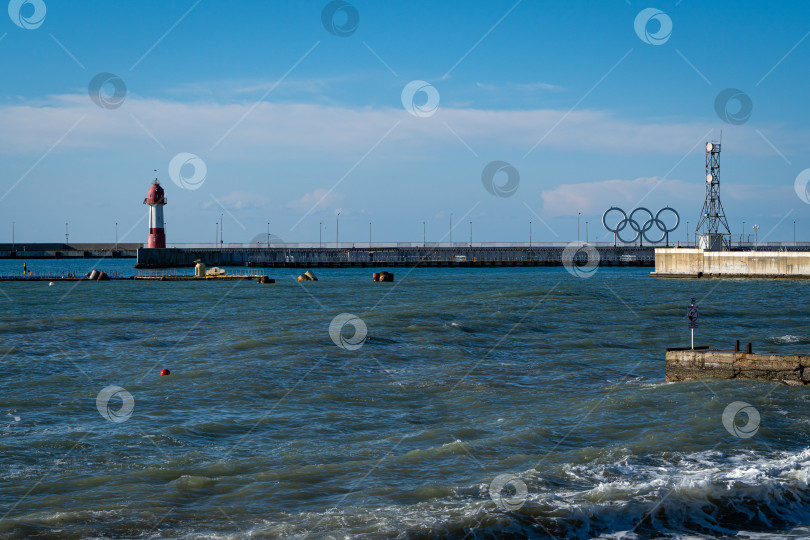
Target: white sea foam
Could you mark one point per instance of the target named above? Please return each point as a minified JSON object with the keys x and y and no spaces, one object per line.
{"x":675,"y":495}
{"x":704,"y":491}
{"x":788,"y":338}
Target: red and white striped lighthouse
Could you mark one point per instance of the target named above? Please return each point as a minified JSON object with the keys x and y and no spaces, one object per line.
{"x":156,"y":201}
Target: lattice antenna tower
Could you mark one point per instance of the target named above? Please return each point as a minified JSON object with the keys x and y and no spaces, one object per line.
{"x":713,"y":217}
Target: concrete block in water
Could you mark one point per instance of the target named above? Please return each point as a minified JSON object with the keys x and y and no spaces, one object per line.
{"x":688,"y":364}
{"x":307,"y":276}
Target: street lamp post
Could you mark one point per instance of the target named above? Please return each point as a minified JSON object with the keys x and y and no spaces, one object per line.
{"x":743,"y":233}
{"x":369,"y":234}
{"x":756,"y":237}
{"x":451,"y":229}
{"x":116,"y":232}
{"x":530,"y":234}
{"x":470,"y":233}
{"x":216,"y":236}
{"x":424,"y":235}
{"x":337,"y":230}
{"x":13,"y":243}
{"x":794,"y":233}
{"x":586,"y":232}
{"x":221,"y":226}
{"x":268,"y":234}
{"x":578,"y":214}
{"x":320,"y":234}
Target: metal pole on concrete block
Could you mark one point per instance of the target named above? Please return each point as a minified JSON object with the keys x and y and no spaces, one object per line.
{"x":692,"y":316}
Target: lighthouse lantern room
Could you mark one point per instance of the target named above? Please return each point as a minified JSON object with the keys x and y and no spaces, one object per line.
{"x":156,"y":200}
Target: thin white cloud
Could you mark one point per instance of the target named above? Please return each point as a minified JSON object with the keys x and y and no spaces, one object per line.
{"x":596,"y":197}
{"x":523,"y":87}
{"x":531,"y":87}
{"x":277,"y":130}
{"x":229,"y":89}
{"x":239,"y":200}
{"x":320,"y":199}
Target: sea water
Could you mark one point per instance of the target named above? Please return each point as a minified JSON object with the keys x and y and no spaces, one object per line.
{"x":450,"y":403}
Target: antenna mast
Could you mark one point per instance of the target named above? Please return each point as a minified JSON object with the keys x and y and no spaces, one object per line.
{"x":712,"y":227}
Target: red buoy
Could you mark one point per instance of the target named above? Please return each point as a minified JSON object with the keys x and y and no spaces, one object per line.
{"x":165,"y":372}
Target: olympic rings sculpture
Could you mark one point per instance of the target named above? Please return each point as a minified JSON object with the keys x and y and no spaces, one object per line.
{"x":639,"y":229}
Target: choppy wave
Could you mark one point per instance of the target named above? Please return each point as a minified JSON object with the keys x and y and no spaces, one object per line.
{"x":788,"y":338}
{"x":700,"y":494}
{"x":705,"y":493}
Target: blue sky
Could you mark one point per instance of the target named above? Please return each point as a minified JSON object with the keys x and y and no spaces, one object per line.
{"x":295,"y":124}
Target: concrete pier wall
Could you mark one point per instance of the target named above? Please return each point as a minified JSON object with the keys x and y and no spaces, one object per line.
{"x":21,"y":250}
{"x":683,"y":365}
{"x":673,"y":262}
{"x":475,"y":256}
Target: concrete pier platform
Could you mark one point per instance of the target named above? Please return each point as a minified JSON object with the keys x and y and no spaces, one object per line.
{"x":697,"y":263}
{"x":226,"y":277}
{"x":688,"y":364}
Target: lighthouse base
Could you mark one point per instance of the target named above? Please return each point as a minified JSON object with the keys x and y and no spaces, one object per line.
{"x":157,"y":238}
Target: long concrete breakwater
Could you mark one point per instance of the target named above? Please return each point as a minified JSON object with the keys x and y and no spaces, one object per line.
{"x":401,"y":255}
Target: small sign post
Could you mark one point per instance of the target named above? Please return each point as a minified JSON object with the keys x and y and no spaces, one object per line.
{"x":692,"y":316}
